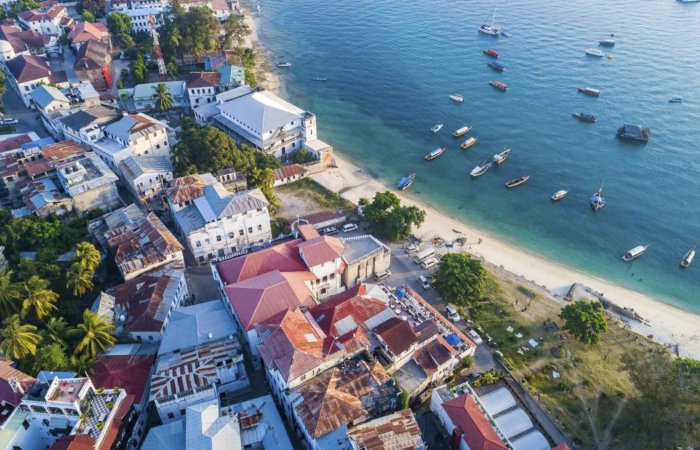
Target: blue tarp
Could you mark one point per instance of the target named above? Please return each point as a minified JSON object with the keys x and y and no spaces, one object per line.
{"x":453,"y":339}
{"x":400,"y":293}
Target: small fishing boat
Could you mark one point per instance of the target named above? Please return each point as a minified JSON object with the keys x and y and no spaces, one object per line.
{"x":633,"y":132}
{"x":559,"y":195}
{"x":459,"y":98}
{"x":498,"y":67}
{"x":676,"y":100}
{"x":471,"y":142}
{"x":406,"y":182}
{"x":499,"y":85}
{"x":492,"y":53}
{"x":500,"y":158}
{"x":607,"y":43}
{"x":688,"y":258}
{"x":480,"y":170}
{"x":493,"y":29}
{"x":610,"y":56}
{"x":595,"y":52}
{"x":589,"y":91}
{"x":517,"y":182}
{"x":585,"y":117}
{"x":598,"y":200}
{"x":284,"y":64}
{"x":436,"y":128}
{"x":462,"y":131}
{"x":635,"y":253}
{"x":435,"y":153}
{"x":320,"y":79}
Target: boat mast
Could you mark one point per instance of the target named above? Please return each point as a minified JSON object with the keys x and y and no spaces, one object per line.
{"x":493,"y":17}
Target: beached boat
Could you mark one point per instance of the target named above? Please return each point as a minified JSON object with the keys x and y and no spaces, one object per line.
{"x":633,"y":132}
{"x":436,"y":128}
{"x":492,"y":53}
{"x":462,"y":131}
{"x":607,"y":42}
{"x":480,"y":170}
{"x":500,"y":158}
{"x":498,"y":67}
{"x":589,"y":91}
{"x":635,"y":253}
{"x":595,"y":52}
{"x":459,"y":98}
{"x":471,"y":142}
{"x":585,"y":117}
{"x":499,"y":85}
{"x":492,"y":29}
{"x":688,"y":258}
{"x":320,"y":79}
{"x":406,"y":182}
{"x":598,"y":200}
{"x":435,"y":153}
{"x":676,"y":100}
{"x":517,"y":182}
{"x":284,"y":64}
{"x":559,"y":195}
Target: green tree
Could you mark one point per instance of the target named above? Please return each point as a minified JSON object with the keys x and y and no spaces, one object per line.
{"x":18,"y":341}
{"x":36,"y":296}
{"x":57,"y":331}
{"x":24,"y":5}
{"x":303,"y":156}
{"x":191,"y":33}
{"x":403,"y":400}
{"x":233,"y":34}
{"x":3,"y":85}
{"x":172,"y":68}
{"x":51,"y":357}
{"x":139,"y":69}
{"x":118,"y":23}
{"x":89,"y":17}
{"x":96,"y":8}
{"x":208,"y":149}
{"x":585,"y":320}
{"x":79,"y":280}
{"x":467,"y":362}
{"x":82,"y":364}
{"x":163,"y":97}
{"x":9,"y":295}
{"x":461,"y":279}
{"x":87,"y":256}
{"x":96,"y":334}
{"x":389,"y":219}
{"x":264,"y":179}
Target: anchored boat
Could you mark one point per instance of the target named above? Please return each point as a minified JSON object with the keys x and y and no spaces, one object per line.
{"x":559,"y":195}
{"x":589,"y":91}
{"x":459,"y":98}
{"x":598,"y":200}
{"x":595,"y":52}
{"x":633,"y":132}
{"x":635,"y":253}
{"x":499,"y":85}
{"x":492,"y":53}
{"x":471,"y":142}
{"x":688,"y":258}
{"x":500,"y":158}
{"x":435,"y":153}
{"x":607,"y":42}
{"x":498,"y":67}
{"x":480,"y":170}
{"x":676,"y":100}
{"x":585,"y":117}
{"x":406,"y":182}
{"x":493,"y":29}
{"x":517,"y":182}
{"x":462,"y":131}
{"x":284,"y":64}
{"x":436,"y":128}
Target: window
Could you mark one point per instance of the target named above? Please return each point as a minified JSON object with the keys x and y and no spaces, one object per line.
{"x":201,"y":259}
{"x":323,"y":291}
{"x":157,"y":145}
{"x":171,"y":415}
{"x":150,"y":338}
{"x":182,"y":412}
{"x":325,"y":278}
{"x":231,"y":235}
{"x":199,"y":244}
{"x":259,"y":227}
{"x":218,"y":239}
{"x":250,"y":229}
{"x":332,"y":276}
{"x":240,"y":232}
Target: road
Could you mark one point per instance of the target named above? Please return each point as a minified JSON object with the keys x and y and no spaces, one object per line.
{"x":28,"y":119}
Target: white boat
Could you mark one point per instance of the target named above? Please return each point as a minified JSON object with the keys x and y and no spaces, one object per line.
{"x":459,"y":98}
{"x":480,"y":170}
{"x":436,"y":128}
{"x":462,"y":131}
{"x":284,"y":64}
{"x":595,"y":52}
{"x":688,"y":258}
{"x":559,"y":195}
{"x":635,"y":253}
{"x":492,"y":29}
{"x":500,"y":158}
{"x":435,"y":153}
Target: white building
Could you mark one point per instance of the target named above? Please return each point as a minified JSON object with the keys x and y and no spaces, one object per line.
{"x":219,"y":7}
{"x":45,"y":21}
{"x":146,"y":176}
{"x":216,"y":222}
{"x":159,"y":5}
{"x":143,"y":18}
{"x":25,"y":73}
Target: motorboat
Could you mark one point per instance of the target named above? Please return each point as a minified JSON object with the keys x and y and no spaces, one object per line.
{"x":500,"y":158}
{"x":688,"y":258}
{"x":559,"y":195}
{"x":598,"y":200}
{"x":462,"y":131}
{"x":635,"y":253}
{"x":459,"y":98}
{"x":595,"y":52}
{"x":284,"y":64}
{"x":607,"y":43}
{"x":633,"y":132}
{"x":320,"y":79}
{"x":492,"y":53}
{"x":517,"y":182}
{"x":480,"y":170}
{"x":471,"y":142}
{"x":435,"y":153}
{"x":589,"y":91}
{"x":492,"y":29}
{"x":436,"y":128}
{"x":498,"y":67}
{"x":406,"y":182}
{"x":676,"y":100}
{"x":585,"y":117}
{"x":499,"y":85}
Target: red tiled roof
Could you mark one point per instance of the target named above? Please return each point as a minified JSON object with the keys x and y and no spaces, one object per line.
{"x":85,"y":31}
{"x":38,"y":15}
{"x":142,"y":298}
{"x":321,"y":249}
{"x":203,"y":79}
{"x":397,"y":334}
{"x":128,"y":372}
{"x":74,"y":442}
{"x":283,"y":257}
{"x":116,"y":423}
{"x":323,"y":216}
{"x":28,"y":68}
{"x":14,"y":143}
{"x":435,"y":354}
{"x":307,"y":231}
{"x":289,"y":171}
{"x":350,"y":303}
{"x":8,"y":372}
{"x":478,"y":432}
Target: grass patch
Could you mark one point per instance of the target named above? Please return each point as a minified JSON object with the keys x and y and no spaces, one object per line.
{"x":323,"y":197}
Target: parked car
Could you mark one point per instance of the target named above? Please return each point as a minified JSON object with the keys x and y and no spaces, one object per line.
{"x":383,"y":275}
{"x":428,"y":263}
{"x":348,"y":227}
{"x":8,"y":121}
{"x":424,"y":282}
{"x":452,"y":313}
{"x":330,"y":230}
{"x":475,"y":337}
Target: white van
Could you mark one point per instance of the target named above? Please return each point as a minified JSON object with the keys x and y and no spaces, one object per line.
{"x":475,"y":337}
{"x":428,"y":263}
{"x":348,"y":227}
{"x":425,"y":254}
{"x":452,"y":313}
{"x":383,"y":275}
{"x":424,"y":282}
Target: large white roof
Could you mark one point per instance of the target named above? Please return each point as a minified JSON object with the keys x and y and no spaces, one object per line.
{"x":497,"y":401}
{"x":531,"y":441}
{"x":262,"y":111}
{"x":513,"y":422}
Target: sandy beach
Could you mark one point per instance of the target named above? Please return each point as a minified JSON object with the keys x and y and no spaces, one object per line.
{"x":267,"y":77}
{"x":667,"y":324}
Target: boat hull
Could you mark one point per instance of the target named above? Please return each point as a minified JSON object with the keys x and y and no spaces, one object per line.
{"x":517,"y":182}
{"x":434,"y":154}
{"x":688,"y":259}
{"x":585,"y":117}
{"x":461,"y":132}
{"x":590,"y":92}
{"x":500,"y":158}
{"x":559,"y":195}
{"x":469,"y":143}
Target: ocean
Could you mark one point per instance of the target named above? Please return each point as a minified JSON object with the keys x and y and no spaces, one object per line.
{"x":391,"y":66}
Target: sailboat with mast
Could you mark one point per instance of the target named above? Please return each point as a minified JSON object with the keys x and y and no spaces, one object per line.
{"x":493,"y":29}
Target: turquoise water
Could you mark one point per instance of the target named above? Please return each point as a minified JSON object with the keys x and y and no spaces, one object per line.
{"x":392,"y":64}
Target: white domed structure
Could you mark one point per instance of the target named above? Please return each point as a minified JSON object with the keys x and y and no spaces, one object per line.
{"x":6,"y":51}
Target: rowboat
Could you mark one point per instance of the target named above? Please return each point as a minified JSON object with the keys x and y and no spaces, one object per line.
{"x":499,"y":85}
{"x":406,"y":182}
{"x":435,"y":153}
{"x":500,"y":158}
{"x":676,"y":100}
{"x":480,"y":170}
{"x":607,"y":42}
{"x":595,"y":52}
{"x":284,"y":64}
{"x":635,"y":253}
{"x":498,"y":67}
{"x":688,"y":258}
{"x":492,"y":53}
{"x":459,"y":98}
{"x":589,"y":91}
{"x":471,"y":142}
{"x":462,"y":131}
{"x":436,"y":128}
{"x":585,"y":117}
{"x":517,"y":182}
{"x":559,"y":195}
{"x":598,"y":199}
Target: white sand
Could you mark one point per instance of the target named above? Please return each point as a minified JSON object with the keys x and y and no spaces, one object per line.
{"x":268,"y":78}
{"x":667,"y":324}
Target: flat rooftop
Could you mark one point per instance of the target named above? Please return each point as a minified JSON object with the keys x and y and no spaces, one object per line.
{"x":66,"y":390}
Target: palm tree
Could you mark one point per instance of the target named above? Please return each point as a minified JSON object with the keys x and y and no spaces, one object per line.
{"x":57,"y":331}
{"x":79,"y":279}
{"x":87,"y":255}
{"x":18,"y":341}
{"x":163,"y":97}
{"x":83,"y":364}
{"x":9,"y":295}
{"x":96,"y":334}
{"x":36,"y":295}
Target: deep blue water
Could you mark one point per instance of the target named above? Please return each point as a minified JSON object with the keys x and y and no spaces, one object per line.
{"x":391,"y":65}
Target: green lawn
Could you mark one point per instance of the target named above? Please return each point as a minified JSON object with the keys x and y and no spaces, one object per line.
{"x":320,"y":195}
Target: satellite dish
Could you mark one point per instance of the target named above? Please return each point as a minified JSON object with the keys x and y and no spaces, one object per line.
{"x":122,"y":317}
{"x":211,"y":335}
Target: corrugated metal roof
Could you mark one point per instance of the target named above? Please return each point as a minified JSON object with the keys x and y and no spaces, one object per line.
{"x":397,"y":431}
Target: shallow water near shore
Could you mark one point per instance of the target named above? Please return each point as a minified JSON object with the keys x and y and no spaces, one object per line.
{"x":391,"y":66}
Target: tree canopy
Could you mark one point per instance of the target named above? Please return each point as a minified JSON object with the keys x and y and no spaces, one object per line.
{"x":96,"y":8}
{"x":461,"y":279}
{"x":389,"y":219}
{"x":585,"y":320}
{"x":163,"y":97}
{"x":119,"y":24}
{"x":191,"y":33}
{"x":139,"y":69}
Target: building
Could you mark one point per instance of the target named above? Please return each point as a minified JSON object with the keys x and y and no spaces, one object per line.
{"x":429,"y":365}
{"x":322,"y":219}
{"x":289,"y":174}
{"x":49,"y":99}
{"x":25,"y":73}
{"x":364,"y":257}
{"x":82,"y":125}
{"x":142,"y":19}
{"x":138,"y":242}
{"x":89,"y":183}
{"x":202,"y":87}
{"x":82,"y":32}
{"x":51,"y":20}
{"x":394,"y":431}
{"x":398,"y":340}
{"x":147,"y":177}
{"x":219,"y":7}
{"x":216,"y":222}
{"x":233,"y":181}
{"x":54,"y":104}
{"x":143,"y":95}
{"x":159,"y":5}
{"x":93,"y":64}
{"x":15,"y":41}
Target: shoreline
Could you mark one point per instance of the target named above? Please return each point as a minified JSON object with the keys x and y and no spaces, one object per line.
{"x":268,"y":78}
